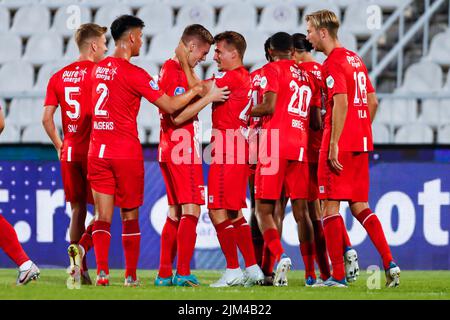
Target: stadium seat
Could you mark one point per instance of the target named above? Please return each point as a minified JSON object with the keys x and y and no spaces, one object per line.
{"x":162,"y":45}
{"x":320,"y":5}
{"x":259,"y":3}
{"x":42,"y":48}
{"x":98,"y":3}
{"x":4,"y":19}
{"x":16,"y":76}
{"x":30,"y":20}
{"x":279,"y":16}
{"x":157,"y":16}
{"x":175,"y":3}
{"x":17,"y":3}
{"x":414,"y":133}
{"x":64,"y":22}
{"x":237,"y":16}
{"x":439,"y":49}
{"x":148,"y":117}
{"x":11,"y":47}
{"x":255,"y":46}
{"x":35,"y":133}
{"x":55,"y":4}
{"x":195,"y":12}
{"x":142,"y":134}
{"x":10,"y":134}
{"x":147,"y":65}
{"x":356,"y":19}
{"x":220,"y":3}
{"x":72,"y":52}
{"x":348,"y":39}
{"x":422,"y":77}
{"x":435,"y":111}
{"x":46,"y":72}
{"x":380,"y":133}
{"x":443,"y":134}
{"x":257,"y":65}
{"x":25,"y":111}
{"x":396,"y":111}
{"x":109,"y":12}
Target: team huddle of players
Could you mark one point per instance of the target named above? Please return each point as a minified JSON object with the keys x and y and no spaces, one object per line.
{"x":291,"y":130}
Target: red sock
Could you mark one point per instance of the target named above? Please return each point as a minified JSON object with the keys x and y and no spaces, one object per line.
{"x":272,"y":238}
{"x":307,"y":251}
{"x":346,"y":240}
{"x":244,"y":241}
{"x":101,"y":238}
{"x":187,"y":235}
{"x":131,"y":240}
{"x":87,"y":244}
{"x":10,"y":244}
{"x":370,"y":222}
{"x":268,"y":260}
{"x":227,"y":240}
{"x":332,"y":226}
{"x":321,"y":250}
{"x":168,"y":248}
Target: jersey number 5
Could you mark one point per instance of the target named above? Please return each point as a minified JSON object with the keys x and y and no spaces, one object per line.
{"x":102,"y":89}
{"x":299,"y":104}
{"x":69,"y":92}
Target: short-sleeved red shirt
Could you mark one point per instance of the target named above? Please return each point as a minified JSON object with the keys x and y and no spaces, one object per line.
{"x":71,"y":89}
{"x":344,"y":72}
{"x":118,"y":87}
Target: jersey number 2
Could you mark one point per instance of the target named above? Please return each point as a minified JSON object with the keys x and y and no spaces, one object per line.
{"x":102,"y":89}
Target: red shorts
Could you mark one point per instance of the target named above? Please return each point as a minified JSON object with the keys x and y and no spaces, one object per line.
{"x":184,"y":183}
{"x":313,"y":182}
{"x":227,"y":186}
{"x":291,"y":174}
{"x":351,"y":184}
{"x":123,"y":178}
{"x":76,"y":185}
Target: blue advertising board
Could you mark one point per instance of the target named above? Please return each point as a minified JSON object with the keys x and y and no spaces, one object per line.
{"x":411,"y":199}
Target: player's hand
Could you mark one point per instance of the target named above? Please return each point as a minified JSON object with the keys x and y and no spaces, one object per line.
{"x":333,"y":157}
{"x":58,"y":150}
{"x":182,"y":53}
{"x":218,"y":94}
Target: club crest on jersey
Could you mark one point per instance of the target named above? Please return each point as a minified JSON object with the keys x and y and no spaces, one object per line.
{"x":219,"y":75}
{"x":178,"y":91}
{"x":154,"y":85}
{"x":263,"y":83}
{"x":330,"y":82}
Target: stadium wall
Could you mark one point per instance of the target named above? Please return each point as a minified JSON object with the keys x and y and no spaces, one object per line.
{"x":410,"y":192}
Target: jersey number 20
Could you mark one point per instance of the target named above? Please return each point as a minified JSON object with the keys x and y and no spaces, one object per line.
{"x":299,"y":104}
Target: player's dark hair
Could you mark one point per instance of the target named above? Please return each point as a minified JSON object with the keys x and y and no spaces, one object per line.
{"x":281,"y":41}
{"x":301,"y":43}
{"x":234,"y":39}
{"x":266,"y":50}
{"x":124,"y":23}
{"x":87,"y":31}
{"x":199,"y":32}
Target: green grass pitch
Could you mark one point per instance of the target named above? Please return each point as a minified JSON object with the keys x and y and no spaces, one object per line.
{"x":51,"y":285}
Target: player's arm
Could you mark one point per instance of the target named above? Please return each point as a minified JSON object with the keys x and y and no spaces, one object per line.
{"x":2,"y":121}
{"x":339,"y":114}
{"x":182,"y":54}
{"x":171,"y":104}
{"x":50,"y":127}
{"x":266,"y":107}
{"x":215,"y":94}
{"x":372,"y":103}
{"x":315,"y":122}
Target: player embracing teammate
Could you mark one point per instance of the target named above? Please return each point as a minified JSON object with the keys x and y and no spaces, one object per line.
{"x":343,"y":174}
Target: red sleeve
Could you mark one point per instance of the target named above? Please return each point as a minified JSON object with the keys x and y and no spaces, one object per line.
{"x":50,"y":98}
{"x":335,"y":79}
{"x":145,"y":85}
{"x":269,"y":79}
{"x":316,"y":99}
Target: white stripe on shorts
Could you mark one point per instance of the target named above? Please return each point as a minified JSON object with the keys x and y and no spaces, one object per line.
{"x":102,"y":151}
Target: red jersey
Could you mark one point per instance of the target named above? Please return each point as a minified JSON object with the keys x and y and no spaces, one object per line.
{"x":296,"y":91}
{"x":70,"y":88}
{"x":173,"y":82}
{"x":315,"y":136}
{"x":257,"y":97}
{"x":233,"y":113}
{"x":344,"y":72}
{"x":118,"y":87}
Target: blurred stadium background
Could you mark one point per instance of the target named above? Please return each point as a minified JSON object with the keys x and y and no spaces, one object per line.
{"x":404,"y":43}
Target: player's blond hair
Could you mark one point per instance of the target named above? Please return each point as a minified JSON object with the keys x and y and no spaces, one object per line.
{"x":324,"y":19}
{"x":88,"y":31}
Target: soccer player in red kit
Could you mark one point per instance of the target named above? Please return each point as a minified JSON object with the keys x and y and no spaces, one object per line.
{"x":182,"y":171}
{"x":302,"y":55}
{"x":288,"y":93}
{"x":11,"y":246}
{"x":115,"y":163}
{"x":351,"y":105}
{"x":71,"y":88}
